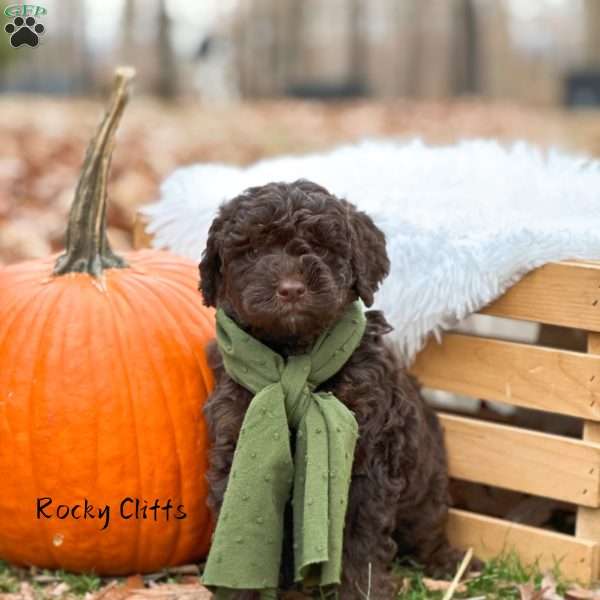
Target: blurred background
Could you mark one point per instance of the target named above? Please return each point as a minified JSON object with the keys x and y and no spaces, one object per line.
{"x":238,"y":80}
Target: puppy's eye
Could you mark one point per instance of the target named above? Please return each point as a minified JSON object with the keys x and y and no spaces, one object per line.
{"x":252,"y":253}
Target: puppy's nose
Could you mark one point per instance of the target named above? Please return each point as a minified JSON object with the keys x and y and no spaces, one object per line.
{"x":290,"y":290}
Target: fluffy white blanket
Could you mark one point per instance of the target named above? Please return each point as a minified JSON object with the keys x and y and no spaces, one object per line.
{"x":463,"y":222}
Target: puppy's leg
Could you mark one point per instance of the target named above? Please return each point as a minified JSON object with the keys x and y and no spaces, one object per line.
{"x":427,"y":532}
{"x":224,"y":422}
{"x":224,"y":413}
{"x":421,"y":529}
{"x":368,"y":545}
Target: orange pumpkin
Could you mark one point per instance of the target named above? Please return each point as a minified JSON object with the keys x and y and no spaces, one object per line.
{"x":103,"y":378}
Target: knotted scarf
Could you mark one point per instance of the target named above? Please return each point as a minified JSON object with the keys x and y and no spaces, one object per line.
{"x":247,"y":543}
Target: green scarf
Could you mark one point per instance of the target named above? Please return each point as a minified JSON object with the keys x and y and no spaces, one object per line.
{"x":247,"y":544}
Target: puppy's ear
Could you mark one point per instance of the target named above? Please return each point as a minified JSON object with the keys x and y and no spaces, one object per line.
{"x":210,"y":265}
{"x":370,"y":261}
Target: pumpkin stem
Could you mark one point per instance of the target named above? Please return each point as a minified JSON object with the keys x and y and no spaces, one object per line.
{"x":87,"y":248}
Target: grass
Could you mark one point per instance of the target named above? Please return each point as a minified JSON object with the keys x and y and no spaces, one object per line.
{"x":80,"y":584}
{"x":12,"y":577}
{"x":9,"y":582}
{"x":499,"y":580}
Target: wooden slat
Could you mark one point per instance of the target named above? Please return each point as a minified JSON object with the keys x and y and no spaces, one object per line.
{"x":528,"y":461}
{"x":588,"y":519}
{"x":490,"y":537}
{"x":544,"y":378}
{"x":566,"y":293}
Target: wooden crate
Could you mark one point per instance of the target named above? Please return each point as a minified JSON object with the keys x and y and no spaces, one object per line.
{"x":560,"y":381}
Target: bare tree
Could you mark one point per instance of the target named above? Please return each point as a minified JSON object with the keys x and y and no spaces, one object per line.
{"x":592,"y":26}
{"x":465,"y":48}
{"x":291,"y":25}
{"x":128,"y":31}
{"x":167,"y":74}
{"x":358,"y":50}
{"x":415,"y":14}
{"x":428,"y":72}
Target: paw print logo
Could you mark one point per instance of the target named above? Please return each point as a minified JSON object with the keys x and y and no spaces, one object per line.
{"x":24,"y":31}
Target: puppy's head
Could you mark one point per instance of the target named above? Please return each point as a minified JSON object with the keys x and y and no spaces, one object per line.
{"x":284,"y":260}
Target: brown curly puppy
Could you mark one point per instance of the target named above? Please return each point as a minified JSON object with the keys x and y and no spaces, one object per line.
{"x":284,"y":261}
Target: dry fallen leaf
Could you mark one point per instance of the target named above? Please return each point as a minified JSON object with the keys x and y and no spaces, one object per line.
{"x":576,"y":592}
{"x":26,"y":591}
{"x":58,"y":590}
{"x":404,"y":586}
{"x":172,"y":591}
{"x":528,"y":591}
{"x":440,"y":585}
{"x":134,"y":582}
{"x":548,"y":588}
{"x":105,"y":592}
{"x":119,"y":591}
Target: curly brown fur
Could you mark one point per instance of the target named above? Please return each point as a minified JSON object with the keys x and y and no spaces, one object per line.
{"x":399,"y":490}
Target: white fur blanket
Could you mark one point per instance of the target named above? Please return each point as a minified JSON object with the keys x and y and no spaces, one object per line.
{"x":463,"y":222}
